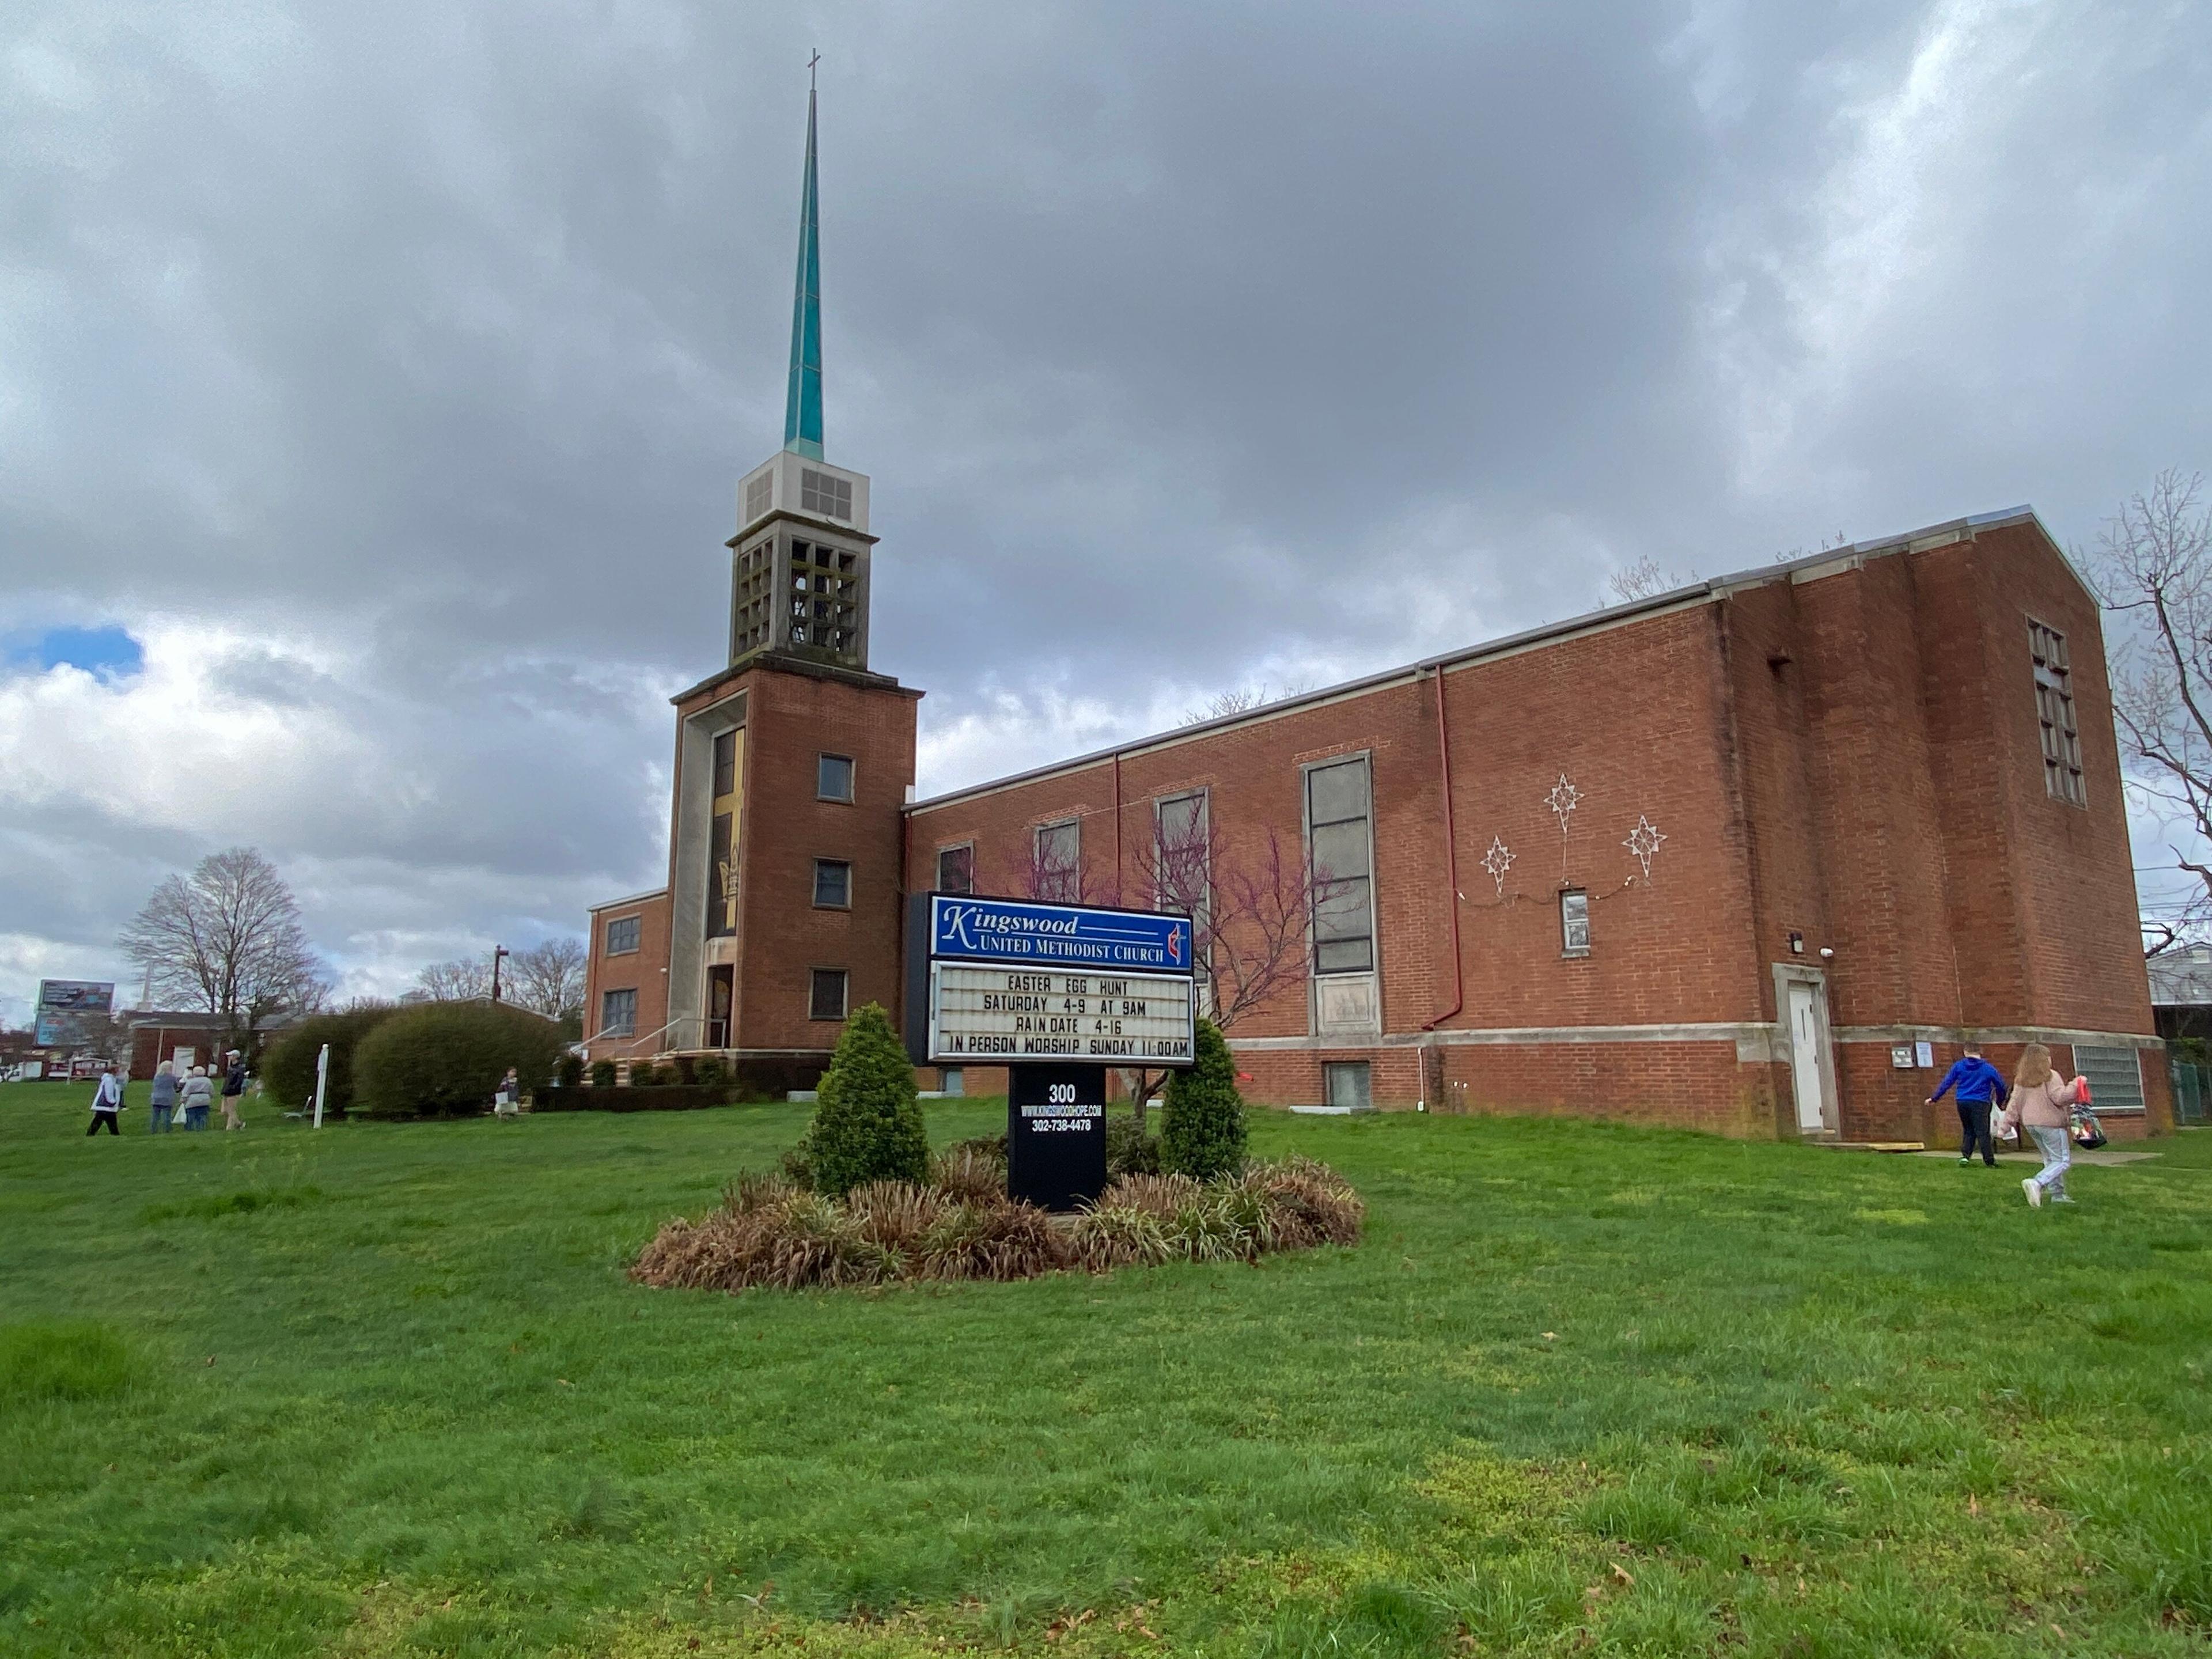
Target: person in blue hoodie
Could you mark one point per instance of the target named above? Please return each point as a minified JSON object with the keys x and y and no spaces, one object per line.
{"x":1981,"y":1089}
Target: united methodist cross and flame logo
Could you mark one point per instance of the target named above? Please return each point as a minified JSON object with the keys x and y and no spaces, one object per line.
{"x":1175,"y":943}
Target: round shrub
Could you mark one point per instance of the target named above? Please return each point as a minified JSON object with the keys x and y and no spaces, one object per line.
{"x":570,"y":1072}
{"x":1202,"y":1129}
{"x":288,"y":1069}
{"x":867,"y":1124}
{"x":445,"y":1059}
{"x":602,"y":1074}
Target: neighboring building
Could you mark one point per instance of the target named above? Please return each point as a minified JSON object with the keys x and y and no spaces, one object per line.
{"x":188,"y":1037}
{"x":1754,"y":856}
{"x":2181,"y":993}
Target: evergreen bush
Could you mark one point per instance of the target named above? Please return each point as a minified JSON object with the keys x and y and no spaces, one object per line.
{"x":445,"y":1059}
{"x":288,"y":1069}
{"x":867,"y":1124}
{"x":571,"y":1071}
{"x":1203,"y":1127}
{"x":602,"y":1074}
{"x":711,"y":1070}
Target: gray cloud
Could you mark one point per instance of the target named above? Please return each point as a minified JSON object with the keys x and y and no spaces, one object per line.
{"x":392,"y":371}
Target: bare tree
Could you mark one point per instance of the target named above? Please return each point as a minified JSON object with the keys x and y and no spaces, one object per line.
{"x":548,"y":978}
{"x":2153,"y":562}
{"x":1644,"y":579}
{"x":464,"y":979}
{"x":1242,"y":700}
{"x":226,"y":938}
{"x":1251,"y":914}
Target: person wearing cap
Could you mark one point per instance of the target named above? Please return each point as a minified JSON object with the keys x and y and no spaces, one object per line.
{"x":234,"y":1091}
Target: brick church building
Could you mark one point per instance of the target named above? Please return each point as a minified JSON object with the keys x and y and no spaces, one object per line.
{"x":1757,"y":856}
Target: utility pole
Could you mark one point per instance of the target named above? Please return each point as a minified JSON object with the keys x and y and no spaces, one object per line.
{"x":499,"y":954}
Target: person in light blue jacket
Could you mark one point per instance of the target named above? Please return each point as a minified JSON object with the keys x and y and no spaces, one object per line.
{"x":164,"y":1098}
{"x":1981,"y":1089}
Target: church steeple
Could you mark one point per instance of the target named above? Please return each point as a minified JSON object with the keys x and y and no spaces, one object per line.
{"x":800,"y":580}
{"x":802,"y":409}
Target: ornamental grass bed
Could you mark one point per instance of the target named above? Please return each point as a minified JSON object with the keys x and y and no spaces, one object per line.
{"x":770,"y":1231}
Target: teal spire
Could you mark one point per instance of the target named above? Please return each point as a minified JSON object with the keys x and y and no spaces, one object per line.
{"x":802,"y":407}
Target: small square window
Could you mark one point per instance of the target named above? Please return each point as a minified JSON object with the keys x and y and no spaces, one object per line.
{"x":955,"y":870}
{"x":826,"y":996}
{"x":833,"y":884}
{"x":833,"y":777}
{"x":622,"y":936}
{"x":1574,"y":922}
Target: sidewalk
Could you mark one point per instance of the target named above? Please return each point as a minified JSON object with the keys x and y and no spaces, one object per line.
{"x":2102,"y":1155}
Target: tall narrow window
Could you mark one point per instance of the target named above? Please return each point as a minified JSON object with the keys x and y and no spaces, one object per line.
{"x":759,"y":493}
{"x":1574,"y":922}
{"x":2054,"y":711}
{"x":618,"y":1013}
{"x":723,"y":860}
{"x":826,"y":993}
{"x":1338,"y":852}
{"x":833,"y":884}
{"x":956,"y":869}
{"x":1057,"y":856}
{"x":833,"y":777}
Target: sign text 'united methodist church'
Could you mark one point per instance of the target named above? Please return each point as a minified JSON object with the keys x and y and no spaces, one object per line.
{"x":1057,"y":935}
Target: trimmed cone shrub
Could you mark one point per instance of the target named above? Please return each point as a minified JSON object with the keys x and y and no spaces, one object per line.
{"x":571,"y":1071}
{"x":602,"y":1074}
{"x":445,"y":1059}
{"x":1202,"y":1129}
{"x":288,"y":1069}
{"x":867,"y":1124}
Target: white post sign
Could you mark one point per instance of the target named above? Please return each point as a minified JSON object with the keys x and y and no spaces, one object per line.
{"x":322,"y":1078}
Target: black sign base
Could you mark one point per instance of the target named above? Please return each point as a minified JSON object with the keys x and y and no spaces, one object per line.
{"x":1056,"y":1134}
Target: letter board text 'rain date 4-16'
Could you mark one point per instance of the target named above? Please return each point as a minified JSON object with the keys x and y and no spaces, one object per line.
{"x":1025,"y":1014}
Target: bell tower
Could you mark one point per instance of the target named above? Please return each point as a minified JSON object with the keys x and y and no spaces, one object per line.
{"x":799,"y":572}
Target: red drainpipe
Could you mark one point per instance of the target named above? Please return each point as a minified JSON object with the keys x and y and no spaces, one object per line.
{"x":1451,"y":861}
{"x":1117,"y":827}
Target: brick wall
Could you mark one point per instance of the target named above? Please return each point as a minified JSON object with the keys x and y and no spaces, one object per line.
{"x":643,"y":970}
{"x":1847,"y":752}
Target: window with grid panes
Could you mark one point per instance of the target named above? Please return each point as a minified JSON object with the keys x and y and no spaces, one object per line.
{"x":2054,"y":713}
{"x":1339,"y":855}
{"x":833,"y":884}
{"x":622,"y":936}
{"x":821,"y":492}
{"x":618,"y":1013}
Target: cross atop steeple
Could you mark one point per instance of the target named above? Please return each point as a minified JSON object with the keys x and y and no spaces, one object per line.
{"x":802,"y":409}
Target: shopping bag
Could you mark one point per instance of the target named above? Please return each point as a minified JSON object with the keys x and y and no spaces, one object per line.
{"x":2087,"y":1131}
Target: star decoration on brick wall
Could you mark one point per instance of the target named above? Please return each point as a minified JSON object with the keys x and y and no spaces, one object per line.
{"x":1498,"y":860}
{"x":1562,"y":801}
{"x":1643,"y":841}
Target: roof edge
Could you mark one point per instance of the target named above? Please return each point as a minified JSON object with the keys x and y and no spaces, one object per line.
{"x":1606,"y":617}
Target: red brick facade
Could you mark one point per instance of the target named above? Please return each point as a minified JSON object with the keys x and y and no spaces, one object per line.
{"x":1843,"y":752}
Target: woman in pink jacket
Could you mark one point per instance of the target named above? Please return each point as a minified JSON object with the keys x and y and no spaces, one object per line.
{"x":2040,"y":1104}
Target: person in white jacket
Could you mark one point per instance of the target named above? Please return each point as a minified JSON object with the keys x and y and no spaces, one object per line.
{"x":2042,"y":1103}
{"x":107,"y":1102}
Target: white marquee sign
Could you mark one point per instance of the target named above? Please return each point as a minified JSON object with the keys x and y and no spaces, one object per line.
{"x":1017,"y":1014}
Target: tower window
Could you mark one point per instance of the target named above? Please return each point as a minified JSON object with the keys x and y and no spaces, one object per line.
{"x":758,"y":494}
{"x":833,"y":777}
{"x":2054,"y":712}
{"x":833,"y":884}
{"x":956,"y":869}
{"x":819,"y":492}
{"x":827,"y":994}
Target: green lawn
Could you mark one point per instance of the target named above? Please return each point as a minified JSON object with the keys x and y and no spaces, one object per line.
{"x":385,"y":1389}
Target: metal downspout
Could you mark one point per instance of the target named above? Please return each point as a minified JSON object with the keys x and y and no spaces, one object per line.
{"x":1451,"y":860}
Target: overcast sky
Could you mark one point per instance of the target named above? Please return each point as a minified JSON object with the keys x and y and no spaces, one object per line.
{"x":374,"y":380}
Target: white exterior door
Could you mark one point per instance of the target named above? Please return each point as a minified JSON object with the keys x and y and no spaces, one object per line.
{"x":1808,"y":1038}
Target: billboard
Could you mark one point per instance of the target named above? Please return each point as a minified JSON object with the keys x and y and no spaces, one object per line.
{"x":68,"y":1009}
{"x":1009,"y":981}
